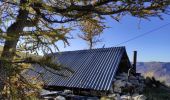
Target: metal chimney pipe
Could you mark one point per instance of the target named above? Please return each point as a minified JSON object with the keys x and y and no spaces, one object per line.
{"x":134,"y":60}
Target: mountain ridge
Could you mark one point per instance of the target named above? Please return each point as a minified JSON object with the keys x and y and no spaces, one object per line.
{"x":159,"y":70}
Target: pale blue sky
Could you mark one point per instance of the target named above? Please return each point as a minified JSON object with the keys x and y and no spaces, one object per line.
{"x":152,"y":47}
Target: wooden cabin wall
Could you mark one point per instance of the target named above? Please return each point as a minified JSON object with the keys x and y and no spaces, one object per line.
{"x":124,"y":64}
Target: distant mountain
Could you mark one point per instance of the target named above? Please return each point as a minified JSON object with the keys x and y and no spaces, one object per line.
{"x":159,"y":70}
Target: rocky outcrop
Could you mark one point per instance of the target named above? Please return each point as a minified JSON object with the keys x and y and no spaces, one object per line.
{"x":127,"y":88}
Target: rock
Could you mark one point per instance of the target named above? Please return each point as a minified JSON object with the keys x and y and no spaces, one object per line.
{"x":60,"y":98}
{"x":142,"y":81}
{"x":139,"y":97}
{"x":153,"y":85}
{"x":114,"y":96}
{"x":135,"y":94}
{"x":117,"y":89}
{"x":122,"y":85}
{"x":117,"y":98}
{"x":122,"y":78}
{"x":140,"y":89}
{"x":123,"y":74}
{"x":133,"y":77}
{"x":135,"y":82}
{"x":68,"y":92}
{"x":119,"y":83}
{"x":128,"y":84}
{"x":129,"y":89}
{"x":141,"y":78}
{"x":126,"y":97}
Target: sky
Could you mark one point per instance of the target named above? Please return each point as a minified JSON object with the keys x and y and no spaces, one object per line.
{"x":154,"y":46}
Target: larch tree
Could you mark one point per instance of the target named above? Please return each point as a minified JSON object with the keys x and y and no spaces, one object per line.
{"x":91,"y":30}
{"x":36,"y":25}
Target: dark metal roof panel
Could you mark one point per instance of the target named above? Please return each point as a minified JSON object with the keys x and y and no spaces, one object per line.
{"x":93,"y":69}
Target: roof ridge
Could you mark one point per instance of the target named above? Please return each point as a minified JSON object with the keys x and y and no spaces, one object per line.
{"x":90,"y":50}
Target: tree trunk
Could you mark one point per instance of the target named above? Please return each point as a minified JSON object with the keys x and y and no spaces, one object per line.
{"x":10,"y":44}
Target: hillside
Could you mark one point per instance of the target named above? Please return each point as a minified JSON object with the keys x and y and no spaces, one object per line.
{"x":160,"y":70}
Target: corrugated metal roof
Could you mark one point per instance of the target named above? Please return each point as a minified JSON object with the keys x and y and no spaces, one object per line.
{"x":93,"y":69}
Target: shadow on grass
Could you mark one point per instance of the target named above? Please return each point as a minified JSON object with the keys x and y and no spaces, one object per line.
{"x":160,"y":93}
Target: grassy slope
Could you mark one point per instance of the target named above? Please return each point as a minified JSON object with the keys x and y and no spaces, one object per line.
{"x":161,"y":93}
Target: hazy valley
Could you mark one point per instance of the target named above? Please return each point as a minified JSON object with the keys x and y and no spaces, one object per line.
{"x":160,"y":70}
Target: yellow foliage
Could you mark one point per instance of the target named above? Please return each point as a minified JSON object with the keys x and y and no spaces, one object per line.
{"x":147,"y":12}
{"x":149,"y":74}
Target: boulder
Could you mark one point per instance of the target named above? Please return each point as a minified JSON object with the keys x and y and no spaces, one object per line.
{"x":129,"y":89}
{"x":132,"y":78}
{"x":117,"y":90}
{"x":122,"y":78}
{"x":126,"y":97}
{"x":128,"y":84}
{"x":119,"y":83}
{"x":139,"y":97}
{"x":60,"y":98}
{"x":68,"y":92}
{"x":117,"y":98}
{"x":114,"y":96}
{"x":134,"y":82}
{"x":135,"y":94}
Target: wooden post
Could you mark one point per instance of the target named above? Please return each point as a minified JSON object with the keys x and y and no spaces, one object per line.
{"x":134,"y":60}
